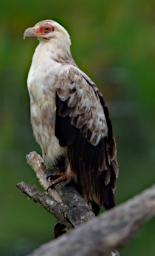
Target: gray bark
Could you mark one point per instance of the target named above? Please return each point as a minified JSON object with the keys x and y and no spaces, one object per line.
{"x":64,"y":201}
{"x":111,"y":230}
{"x":97,"y":235}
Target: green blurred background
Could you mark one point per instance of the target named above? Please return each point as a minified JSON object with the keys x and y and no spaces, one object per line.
{"x":114,"y":43}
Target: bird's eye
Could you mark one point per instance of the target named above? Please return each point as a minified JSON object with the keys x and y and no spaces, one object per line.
{"x":46,"y":30}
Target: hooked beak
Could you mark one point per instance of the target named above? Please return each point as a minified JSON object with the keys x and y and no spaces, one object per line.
{"x":29,"y":32}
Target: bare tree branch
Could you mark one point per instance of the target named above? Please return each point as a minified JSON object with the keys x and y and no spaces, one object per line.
{"x":111,"y":230}
{"x":98,"y":236}
{"x":59,"y":210}
{"x":64,"y":201}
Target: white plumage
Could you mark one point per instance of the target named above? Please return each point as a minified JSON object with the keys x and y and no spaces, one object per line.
{"x":41,"y":86}
{"x":46,"y":75}
{"x":69,"y":118}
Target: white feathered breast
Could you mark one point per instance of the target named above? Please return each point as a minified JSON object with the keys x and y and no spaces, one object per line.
{"x":41,"y":81}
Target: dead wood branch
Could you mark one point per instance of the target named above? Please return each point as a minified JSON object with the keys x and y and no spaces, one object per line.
{"x":59,"y":210}
{"x":98,"y":236}
{"x":111,"y":230}
{"x":64,"y":201}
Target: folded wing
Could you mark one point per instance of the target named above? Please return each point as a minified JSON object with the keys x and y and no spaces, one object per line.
{"x":84,"y":127}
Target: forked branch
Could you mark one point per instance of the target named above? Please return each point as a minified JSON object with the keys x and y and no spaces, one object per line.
{"x":64,"y":201}
{"x":98,"y":236}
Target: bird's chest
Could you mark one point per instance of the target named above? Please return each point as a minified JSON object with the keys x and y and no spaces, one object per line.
{"x":40,"y":82}
{"x":43,"y":109}
{"x":43,"y":119}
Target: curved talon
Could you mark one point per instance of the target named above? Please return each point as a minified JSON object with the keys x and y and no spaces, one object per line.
{"x":52,"y":176}
{"x":60,"y":178}
{"x":50,"y":188}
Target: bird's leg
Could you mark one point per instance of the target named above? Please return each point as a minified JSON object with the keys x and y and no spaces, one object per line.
{"x":59,"y":176}
{"x":52,"y":175}
{"x":62,"y":177}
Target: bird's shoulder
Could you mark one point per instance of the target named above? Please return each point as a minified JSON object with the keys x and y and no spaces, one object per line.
{"x":78,"y":98}
{"x":71,"y":79}
{"x":71,"y":73}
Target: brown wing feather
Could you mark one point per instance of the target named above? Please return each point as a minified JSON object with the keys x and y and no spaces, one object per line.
{"x":83,"y":125}
{"x":82,"y":105}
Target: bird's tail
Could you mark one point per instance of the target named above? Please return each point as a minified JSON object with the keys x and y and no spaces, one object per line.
{"x":104,"y":188}
{"x":95,"y":170}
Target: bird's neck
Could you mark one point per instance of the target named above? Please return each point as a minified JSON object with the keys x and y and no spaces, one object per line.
{"x":56,"y":51}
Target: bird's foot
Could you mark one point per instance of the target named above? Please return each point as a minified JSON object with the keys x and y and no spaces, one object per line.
{"x":53,"y":175}
{"x":55,"y":179}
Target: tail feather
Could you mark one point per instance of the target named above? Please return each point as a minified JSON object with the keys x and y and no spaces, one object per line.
{"x":95,"y":174}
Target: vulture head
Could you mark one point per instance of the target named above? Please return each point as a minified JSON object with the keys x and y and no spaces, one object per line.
{"x":48,"y":30}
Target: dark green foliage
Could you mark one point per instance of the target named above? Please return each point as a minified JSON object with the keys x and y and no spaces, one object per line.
{"x":114,"y":43}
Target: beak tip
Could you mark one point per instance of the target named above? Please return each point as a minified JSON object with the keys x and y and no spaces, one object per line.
{"x":29,"y":32}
